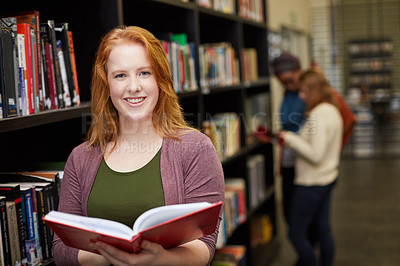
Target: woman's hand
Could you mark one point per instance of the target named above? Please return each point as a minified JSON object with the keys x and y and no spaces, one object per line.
{"x":282,"y":138}
{"x":150,"y":254}
{"x":154,"y":254}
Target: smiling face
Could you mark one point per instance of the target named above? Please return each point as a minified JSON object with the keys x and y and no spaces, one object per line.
{"x":133,"y":87}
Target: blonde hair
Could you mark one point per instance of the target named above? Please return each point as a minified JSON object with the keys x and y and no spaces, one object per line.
{"x":167,"y":115}
{"x":319,"y":89}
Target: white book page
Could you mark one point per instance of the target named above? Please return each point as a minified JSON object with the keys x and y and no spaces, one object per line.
{"x":98,"y":225}
{"x":164,"y":213}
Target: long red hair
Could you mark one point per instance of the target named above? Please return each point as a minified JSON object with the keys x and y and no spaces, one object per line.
{"x":167,"y":114}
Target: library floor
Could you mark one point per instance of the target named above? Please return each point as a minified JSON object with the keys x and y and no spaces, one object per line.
{"x":365,"y":216}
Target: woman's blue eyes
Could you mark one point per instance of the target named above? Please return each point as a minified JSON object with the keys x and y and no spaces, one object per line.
{"x":143,"y":73}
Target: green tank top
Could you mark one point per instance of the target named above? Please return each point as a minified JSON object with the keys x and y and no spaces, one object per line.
{"x":122,"y":197}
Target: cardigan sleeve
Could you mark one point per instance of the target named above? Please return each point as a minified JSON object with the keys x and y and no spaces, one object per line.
{"x":203,"y":178}
{"x":69,"y":202}
{"x":79,"y":174}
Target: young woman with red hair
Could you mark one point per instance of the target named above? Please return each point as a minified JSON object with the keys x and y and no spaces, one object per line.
{"x":139,"y":154}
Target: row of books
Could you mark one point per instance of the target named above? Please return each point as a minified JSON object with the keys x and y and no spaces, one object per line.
{"x":26,"y":197}
{"x":249,"y":64}
{"x":256,"y":175}
{"x":181,"y":56}
{"x":249,"y":9}
{"x":218,"y":65}
{"x":235,"y":209}
{"x":224,"y":6}
{"x":372,"y":64}
{"x":242,"y":195}
{"x":37,"y":65}
{"x":371,"y":79}
{"x":217,"y":61}
{"x":369,"y":47}
{"x":224,"y":131}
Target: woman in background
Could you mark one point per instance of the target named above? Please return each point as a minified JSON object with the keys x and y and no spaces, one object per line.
{"x":139,"y":154}
{"x":318,"y":148}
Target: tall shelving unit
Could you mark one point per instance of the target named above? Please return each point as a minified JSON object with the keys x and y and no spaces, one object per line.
{"x":50,"y":136}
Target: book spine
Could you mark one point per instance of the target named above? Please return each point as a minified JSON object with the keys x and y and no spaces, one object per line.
{"x":56,"y":63}
{"x":39,"y":61}
{"x":8,"y":79}
{"x":34,"y":71}
{"x":40,"y":240}
{"x":51,"y":77}
{"x":76,"y":98}
{"x":24,"y":28}
{"x":22,"y":71}
{"x":62,"y":36}
{"x":5,"y":232}
{"x":16,"y":70}
{"x":21,"y":228}
{"x":63,"y":72}
{"x":42,"y":232}
{"x":45,"y":201}
{"x":45,"y":80}
{"x":13,"y":230}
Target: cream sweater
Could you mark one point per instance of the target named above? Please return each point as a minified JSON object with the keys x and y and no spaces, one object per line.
{"x":318,"y":146}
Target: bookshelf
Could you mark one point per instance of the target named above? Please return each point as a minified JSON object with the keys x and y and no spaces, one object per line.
{"x":50,"y":136}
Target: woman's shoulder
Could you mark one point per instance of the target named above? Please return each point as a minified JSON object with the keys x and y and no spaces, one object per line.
{"x":84,"y":150}
{"x":189,"y":135}
{"x":189,"y":138}
{"x":327,"y":110}
{"x":325,"y":107}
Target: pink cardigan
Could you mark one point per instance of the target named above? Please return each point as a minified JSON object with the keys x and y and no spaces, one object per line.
{"x":190,"y":172}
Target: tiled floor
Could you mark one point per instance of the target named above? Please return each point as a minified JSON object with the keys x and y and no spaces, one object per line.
{"x":365,"y":215}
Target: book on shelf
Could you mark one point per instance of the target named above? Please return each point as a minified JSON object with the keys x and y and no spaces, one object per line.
{"x":218,"y":65}
{"x":249,"y":64}
{"x":257,"y":182}
{"x":170,"y":226}
{"x":10,"y":24}
{"x":15,"y":226}
{"x":224,"y":132}
{"x":52,"y":99}
{"x":181,"y":56}
{"x":32,"y":17}
{"x":62,"y":35}
{"x":63,"y":71}
{"x":47,"y":31}
{"x":76,"y":98}
{"x":24,"y":29}
{"x":39,"y":200}
{"x":7,"y":78}
{"x":252,"y":10}
{"x":5,"y":236}
{"x":238,"y":186}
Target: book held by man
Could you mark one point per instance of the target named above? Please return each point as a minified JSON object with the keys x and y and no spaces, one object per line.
{"x":170,"y":226}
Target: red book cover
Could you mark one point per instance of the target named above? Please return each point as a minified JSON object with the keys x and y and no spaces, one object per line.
{"x":25,"y":29}
{"x":51,"y":76}
{"x":169,"y":226}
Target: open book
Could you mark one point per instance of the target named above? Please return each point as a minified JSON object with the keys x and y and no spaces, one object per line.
{"x":170,"y":226}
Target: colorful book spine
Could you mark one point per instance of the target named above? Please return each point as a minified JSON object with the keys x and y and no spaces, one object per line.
{"x":25,"y":29}
{"x":76,"y":98}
